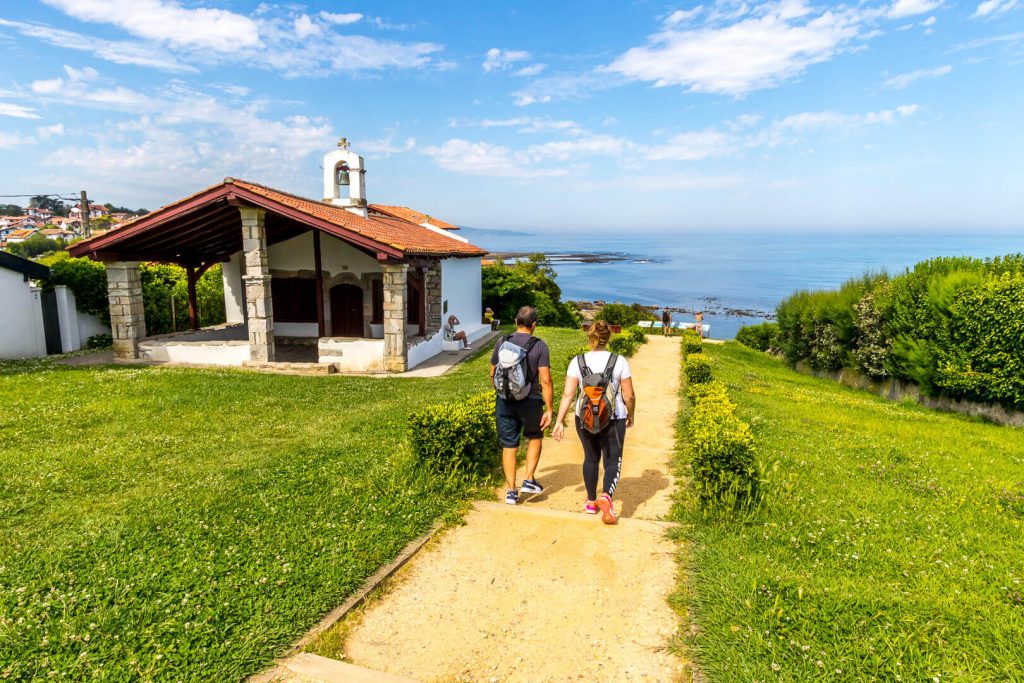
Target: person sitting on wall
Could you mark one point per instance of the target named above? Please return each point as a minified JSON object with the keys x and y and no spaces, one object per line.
{"x":451,"y":335}
{"x":489,"y":319}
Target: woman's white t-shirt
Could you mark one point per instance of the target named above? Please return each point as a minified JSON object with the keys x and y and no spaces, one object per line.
{"x":596,"y":361}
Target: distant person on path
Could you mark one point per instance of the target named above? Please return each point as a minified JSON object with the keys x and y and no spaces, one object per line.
{"x":666,"y":322}
{"x":604,"y":409}
{"x":521,"y":375}
{"x":451,"y":335}
{"x":699,"y":326}
{"x":489,"y":319}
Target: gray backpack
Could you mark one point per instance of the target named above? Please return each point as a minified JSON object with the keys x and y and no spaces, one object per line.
{"x":512,"y":380}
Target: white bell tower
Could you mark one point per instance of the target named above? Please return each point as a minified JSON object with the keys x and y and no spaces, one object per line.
{"x":344,"y":179}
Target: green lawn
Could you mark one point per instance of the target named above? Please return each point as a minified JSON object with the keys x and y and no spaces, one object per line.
{"x":893,"y":547}
{"x":171,"y":524}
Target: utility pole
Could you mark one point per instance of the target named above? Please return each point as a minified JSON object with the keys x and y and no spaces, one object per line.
{"x":85,"y":215}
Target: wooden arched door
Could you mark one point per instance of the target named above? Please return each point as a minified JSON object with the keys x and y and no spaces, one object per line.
{"x":346,"y":311}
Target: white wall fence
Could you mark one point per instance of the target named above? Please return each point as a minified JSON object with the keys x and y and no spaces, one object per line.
{"x":22,"y":330}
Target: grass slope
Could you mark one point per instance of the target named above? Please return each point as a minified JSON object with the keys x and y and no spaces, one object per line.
{"x":892,"y":548}
{"x":172,"y":524}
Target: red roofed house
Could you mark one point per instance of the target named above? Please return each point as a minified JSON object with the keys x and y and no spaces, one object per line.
{"x":366,"y":291}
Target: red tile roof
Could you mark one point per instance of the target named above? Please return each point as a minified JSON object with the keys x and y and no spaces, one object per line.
{"x":21,"y":234}
{"x":392,"y":235}
{"x":411,"y":215}
{"x":399,"y":233}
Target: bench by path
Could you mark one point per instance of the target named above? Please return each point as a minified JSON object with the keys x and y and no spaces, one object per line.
{"x":540,"y":591}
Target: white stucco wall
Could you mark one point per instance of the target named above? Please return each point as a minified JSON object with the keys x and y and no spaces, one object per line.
{"x":462,"y":289}
{"x":234,"y":292}
{"x":75,"y":327}
{"x":21,"y":318}
{"x":197,"y":353}
{"x":335,"y":256}
{"x":352,"y":355}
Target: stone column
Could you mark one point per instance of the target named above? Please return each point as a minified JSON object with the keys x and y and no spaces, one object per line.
{"x":432,"y":291}
{"x":259,"y":304}
{"x":396,"y":357}
{"x":127,"y":314}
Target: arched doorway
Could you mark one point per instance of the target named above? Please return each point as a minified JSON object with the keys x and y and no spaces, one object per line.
{"x":346,"y":311}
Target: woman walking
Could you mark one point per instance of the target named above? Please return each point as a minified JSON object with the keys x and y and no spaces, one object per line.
{"x":604,"y":409}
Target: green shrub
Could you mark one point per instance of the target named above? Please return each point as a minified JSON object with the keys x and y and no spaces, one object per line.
{"x":99,"y":341}
{"x":635,"y":333}
{"x":692,"y":344}
{"x":625,"y":315}
{"x":698,"y":370}
{"x":579,"y":350}
{"x":712,"y":389}
{"x":87,"y":280}
{"x":623,"y":345}
{"x":762,"y":337}
{"x":725,"y":470}
{"x":529,"y":282}
{"x":952,"y":325}
{"x":459,"y":435}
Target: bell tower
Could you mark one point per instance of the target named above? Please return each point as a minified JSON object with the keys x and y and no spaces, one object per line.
{"x":344,"y":179}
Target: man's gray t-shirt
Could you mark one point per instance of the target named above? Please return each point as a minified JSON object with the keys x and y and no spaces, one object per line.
{"x":538,"y":357}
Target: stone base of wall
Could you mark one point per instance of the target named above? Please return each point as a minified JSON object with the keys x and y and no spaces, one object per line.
{"x":899,"y":390}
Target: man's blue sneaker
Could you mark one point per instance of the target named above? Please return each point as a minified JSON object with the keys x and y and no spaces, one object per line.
{"x":531,"y":486}
{"x":511,"y":497}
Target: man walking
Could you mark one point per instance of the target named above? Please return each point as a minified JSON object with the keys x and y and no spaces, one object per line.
{"x":521,"y":375}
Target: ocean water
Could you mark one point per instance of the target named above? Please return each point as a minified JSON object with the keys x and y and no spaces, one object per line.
{"x":747,"y":272}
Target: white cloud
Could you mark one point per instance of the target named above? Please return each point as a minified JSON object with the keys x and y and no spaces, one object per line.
{"x":384,"y":147}
{"x":930,"y":21}
{"x":173,"y":37}
{"x":901,"y":81}
{"x":485,"y":159}
{"x":994,"y":7}
{"x":681,"y":16}
{"x":531,"y":70}
{"x":17,"y":111}
{"x":46,"y":132}
{"x":823,"y":120}
{"x":165,"y":21}
{"x":692,"y":146}
{"x":305,"y":28}
{"x":9,"y":140}
{"x":767,"y":45}
{"x":991,"y":40}
{"x":118,"y":52}
{"x":910,"y":8}
{"x":497,"y":59}
{"x":341,"y":19}
{"x":564,"y":87}
{"x":590,"y":145}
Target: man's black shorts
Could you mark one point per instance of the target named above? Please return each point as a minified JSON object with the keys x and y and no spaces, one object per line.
{"x":515,"y":417}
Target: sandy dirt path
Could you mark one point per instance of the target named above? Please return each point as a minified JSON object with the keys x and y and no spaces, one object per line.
{"x":540,"y":591}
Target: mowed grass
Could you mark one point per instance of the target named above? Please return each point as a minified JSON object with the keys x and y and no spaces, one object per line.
{"x":172,"y":524}
{"x":892,"y":548}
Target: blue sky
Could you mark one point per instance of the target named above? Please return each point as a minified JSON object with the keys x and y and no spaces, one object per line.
{"x":885,"y":115}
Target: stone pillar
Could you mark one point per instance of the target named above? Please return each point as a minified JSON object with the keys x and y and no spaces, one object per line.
{"x":259,"y":304}
{"x":396,"y":356}
{"x":432,"y":291}
{"x":127,"y":314}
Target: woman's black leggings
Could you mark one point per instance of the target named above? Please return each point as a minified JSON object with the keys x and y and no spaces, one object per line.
{"x":605,"y":446}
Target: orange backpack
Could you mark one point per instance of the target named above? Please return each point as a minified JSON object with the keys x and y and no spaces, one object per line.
{"x":596,"y":405}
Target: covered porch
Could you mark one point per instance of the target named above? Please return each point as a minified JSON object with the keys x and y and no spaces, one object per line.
{"x":303,"y":282}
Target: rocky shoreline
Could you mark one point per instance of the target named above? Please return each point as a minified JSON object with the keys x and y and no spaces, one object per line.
{"x":590,"y":309}
{"x":591,"y":257}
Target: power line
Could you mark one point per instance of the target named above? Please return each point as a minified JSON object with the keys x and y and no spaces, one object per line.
{"x":58,"y":195}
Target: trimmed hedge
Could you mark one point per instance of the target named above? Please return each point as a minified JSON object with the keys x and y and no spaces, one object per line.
{"x":635,"y":333}
{"x":952,"y":325}
{"x":459,"y":435}
{"x":691,"y":342}
{"x":623,"y":345}
{"x":712,"y":389}
{"x":763,"y":337}
{"x":725,"y":471}
{"x":698,"y":370}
